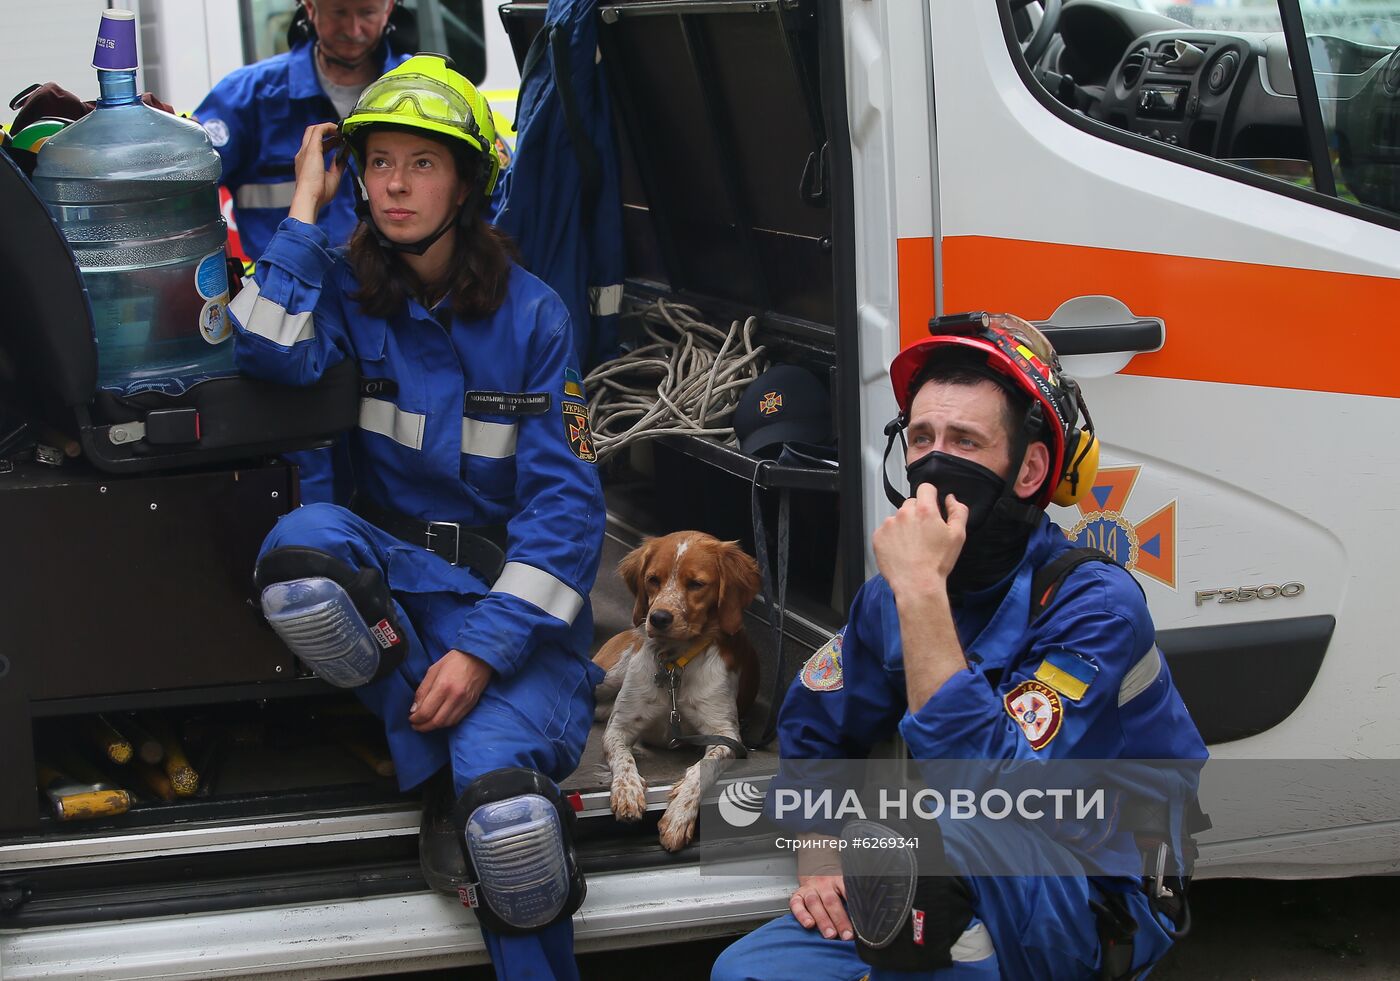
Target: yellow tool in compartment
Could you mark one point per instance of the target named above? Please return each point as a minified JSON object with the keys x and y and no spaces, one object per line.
{"x":367,"y":750}
{"x":110,"y":743}
{"x":75,"y":801}
{"x":184,"y":780}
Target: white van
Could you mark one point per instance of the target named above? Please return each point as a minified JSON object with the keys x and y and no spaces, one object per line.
{"x":1200,"y":202}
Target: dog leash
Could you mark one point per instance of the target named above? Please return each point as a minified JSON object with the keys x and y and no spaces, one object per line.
{"x":775,"y":603}
{"x":670,"y":677}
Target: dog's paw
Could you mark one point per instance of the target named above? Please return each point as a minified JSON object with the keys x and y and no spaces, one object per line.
{"x":629,"y":797}
{"x":677,"y":826}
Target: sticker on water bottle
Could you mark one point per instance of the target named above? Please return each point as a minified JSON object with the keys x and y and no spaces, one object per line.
{"x":211,"y":276}
{"x":214,"y":325}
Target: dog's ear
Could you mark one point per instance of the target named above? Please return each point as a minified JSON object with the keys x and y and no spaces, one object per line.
{"x":630,"y":569}
{"x":738,"y":585}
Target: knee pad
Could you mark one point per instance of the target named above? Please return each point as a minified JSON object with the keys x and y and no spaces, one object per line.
{"x":906,"y":906}
{"x":516,"y":833}
{"x":339,"y":621}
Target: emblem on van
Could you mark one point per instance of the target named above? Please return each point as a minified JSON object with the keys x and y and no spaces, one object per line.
{"x":1147,"y":547}
{"x":1243,"y":594}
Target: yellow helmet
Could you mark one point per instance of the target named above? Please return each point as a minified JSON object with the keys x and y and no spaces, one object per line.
{"x":427,"y":93}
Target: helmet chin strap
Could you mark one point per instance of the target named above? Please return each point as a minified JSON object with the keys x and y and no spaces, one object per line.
{"x":894,"y":429}
{"x":341,"y":62}
{"x":411,"y":248}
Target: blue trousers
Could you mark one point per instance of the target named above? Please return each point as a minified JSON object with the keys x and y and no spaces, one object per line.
{"x":1041,"y":926}
{"x":538,"y":718}
{"x":784,"y":949}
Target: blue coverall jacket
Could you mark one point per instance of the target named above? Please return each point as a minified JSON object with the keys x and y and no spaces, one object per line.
{"x":256,"y":117}
{"x":478,"y":424}
{"x":851,"y":695}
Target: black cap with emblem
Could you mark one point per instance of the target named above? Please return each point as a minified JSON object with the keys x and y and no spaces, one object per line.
{"x":785,"y":404}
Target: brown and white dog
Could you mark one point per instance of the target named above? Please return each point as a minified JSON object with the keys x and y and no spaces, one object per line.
{"x":691,"y":590}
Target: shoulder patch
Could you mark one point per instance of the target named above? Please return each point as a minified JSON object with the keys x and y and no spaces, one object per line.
{"x":822,"y":672}
{"x":1037,"y":709}
{"x":217,"y":131}
{"x":1068,"y":673}
{"x":576,"y":430}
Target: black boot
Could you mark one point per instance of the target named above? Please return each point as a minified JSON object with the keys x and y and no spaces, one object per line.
{"x":439,"y":853}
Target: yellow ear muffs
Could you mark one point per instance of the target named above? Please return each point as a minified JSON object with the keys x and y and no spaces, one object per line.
{"x":1082,"y":452}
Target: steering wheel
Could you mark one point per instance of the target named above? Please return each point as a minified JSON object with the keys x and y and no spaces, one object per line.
{"x":1035,"y":48}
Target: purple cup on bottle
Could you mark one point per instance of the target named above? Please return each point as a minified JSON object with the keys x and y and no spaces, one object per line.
{"x":116,"y":42}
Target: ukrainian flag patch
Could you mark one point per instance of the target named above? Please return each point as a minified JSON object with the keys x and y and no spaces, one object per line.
{"x":1068,"y":673}
{"x":573,"y":384}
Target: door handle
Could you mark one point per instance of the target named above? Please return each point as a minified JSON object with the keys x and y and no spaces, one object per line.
{"x":1132,"y":337}
{"x":1104,"y":326}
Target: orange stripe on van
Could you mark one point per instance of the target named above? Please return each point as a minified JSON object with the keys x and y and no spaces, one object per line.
{"x":915,"y":288}
{"x":1232,"y":322}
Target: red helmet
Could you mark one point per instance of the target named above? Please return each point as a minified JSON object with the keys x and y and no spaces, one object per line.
{"x":1021,"y":358}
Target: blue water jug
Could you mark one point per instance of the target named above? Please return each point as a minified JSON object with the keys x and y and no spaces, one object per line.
{"x":135,"y":193}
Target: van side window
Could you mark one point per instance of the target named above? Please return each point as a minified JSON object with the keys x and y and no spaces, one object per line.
{"x":1217,"y":81}
{"x":463,"y":23}
{"x":1356,"y":64}
{"x":265,"y":24}
{"x":452,"y":26}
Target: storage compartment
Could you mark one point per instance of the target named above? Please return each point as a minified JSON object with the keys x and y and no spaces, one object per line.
{"x":124,"y":592}
{"x":136,"y":593}
{"x":731,"y":204}
{"x":219,"y":761}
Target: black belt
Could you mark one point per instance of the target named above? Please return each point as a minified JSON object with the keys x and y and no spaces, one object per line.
{"x":480,"y":548}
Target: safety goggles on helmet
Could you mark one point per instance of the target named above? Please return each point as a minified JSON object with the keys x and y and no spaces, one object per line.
{"x":1020,"y":357}
{"x":426,"y":93}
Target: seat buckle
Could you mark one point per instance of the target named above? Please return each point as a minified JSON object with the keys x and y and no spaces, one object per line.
{"x":440,"y":529}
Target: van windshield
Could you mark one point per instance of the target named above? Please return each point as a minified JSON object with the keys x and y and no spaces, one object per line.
{"x":1215,"y":15}
{"x":1360,"y":21}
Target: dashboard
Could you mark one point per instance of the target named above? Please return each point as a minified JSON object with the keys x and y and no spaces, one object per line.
{"x":1229,"y":95}
{"x":1208,"y":92}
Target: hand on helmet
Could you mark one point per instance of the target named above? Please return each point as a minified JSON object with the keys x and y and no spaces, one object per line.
{"x":316,"y":184}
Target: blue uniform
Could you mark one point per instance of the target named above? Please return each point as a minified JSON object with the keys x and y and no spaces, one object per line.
{"x":852,"y":695}
{"x":565,"y":219}
{"x":256,"y":117}
{"x":471,"y":422}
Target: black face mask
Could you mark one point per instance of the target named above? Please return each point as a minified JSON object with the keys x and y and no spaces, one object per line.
{"x":998,"y":523}
{"x":971,"y":483}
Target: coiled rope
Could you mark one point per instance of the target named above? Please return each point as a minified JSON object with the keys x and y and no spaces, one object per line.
{"x":687,"y":380}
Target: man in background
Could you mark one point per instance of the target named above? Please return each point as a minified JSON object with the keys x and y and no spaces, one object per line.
{"x":257,"y":114}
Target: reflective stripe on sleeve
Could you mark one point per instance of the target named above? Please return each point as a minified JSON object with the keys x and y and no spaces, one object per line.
{"x":1140,"y":676}
{"x":265,"y":195}
{"x":604,"y":301}
{"x":491,"y":439}
{"x":536,"y":586}
{"x":263,"y":317}
{"x":387,"y":419}
{"x":974,"y":945}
